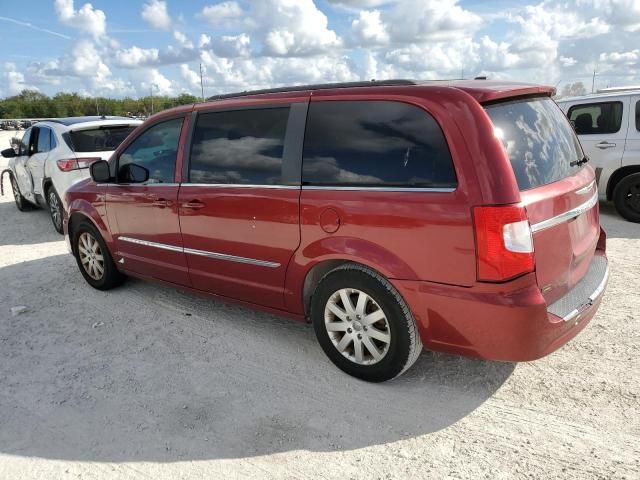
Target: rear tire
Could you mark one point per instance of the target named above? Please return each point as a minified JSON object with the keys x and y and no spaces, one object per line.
{"x":363,"y":324}
{"x":55,"y":209}
{"x":626,"y":197}
{"x":93,"y":258}
{"x":21,"y":203}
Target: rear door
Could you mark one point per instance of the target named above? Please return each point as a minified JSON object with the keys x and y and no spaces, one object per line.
{"x":557,"y":189}
{"x":632,"y":150}
{"x":602,"y":129}
{"x":239,"y":208}
{"x":144,"y":211}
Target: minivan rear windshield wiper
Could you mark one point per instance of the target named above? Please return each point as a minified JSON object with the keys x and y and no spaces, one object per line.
{"x":577,"y":163}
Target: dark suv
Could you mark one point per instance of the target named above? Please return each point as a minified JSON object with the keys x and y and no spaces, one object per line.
{"x":461,"y":216}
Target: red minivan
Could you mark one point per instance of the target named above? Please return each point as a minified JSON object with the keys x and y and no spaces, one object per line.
{"x":461,"y":216}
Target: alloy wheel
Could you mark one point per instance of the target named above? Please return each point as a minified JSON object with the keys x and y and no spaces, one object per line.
{"x":91,"y":256}
{"x":16,"y":191}
{"x":357,"y":326}
{"x":56,"y":211}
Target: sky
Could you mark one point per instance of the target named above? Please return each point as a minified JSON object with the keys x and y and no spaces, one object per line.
{"x":119,"y":48}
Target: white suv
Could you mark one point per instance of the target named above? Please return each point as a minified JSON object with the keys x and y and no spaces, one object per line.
{"x":55,"y":154}
{"x":608,"y":125}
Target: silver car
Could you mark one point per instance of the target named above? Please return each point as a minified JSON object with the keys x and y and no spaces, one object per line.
{"x":55,"y":154}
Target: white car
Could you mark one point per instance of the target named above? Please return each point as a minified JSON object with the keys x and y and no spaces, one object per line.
{"x":608,"y":125}
{"x":55,"y":154}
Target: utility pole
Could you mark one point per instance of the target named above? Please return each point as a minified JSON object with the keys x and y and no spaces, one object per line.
{"x":201,"y":82}
{"x":152,"y":99}
{"x":593,"y":81}
{"x":97,"y":110}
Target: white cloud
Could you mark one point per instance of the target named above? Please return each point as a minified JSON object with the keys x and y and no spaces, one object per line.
{"x":204,"y":41}
{"x":232,"y":46}
{"x":221,"y":12}
{"x":155,"y":13}
{"x":293,"y":28}
{"x":14,"y":80}
{"x":369,"y":28}
{"x":87,"y":19}
{"x":135,"y":56}
{"x":182,"y":39}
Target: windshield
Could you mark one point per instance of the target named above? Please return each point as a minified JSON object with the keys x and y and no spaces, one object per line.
{"x":539,"y":140}
{"x":99,"y":139}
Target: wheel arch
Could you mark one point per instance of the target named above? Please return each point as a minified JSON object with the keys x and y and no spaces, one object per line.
{"x":80,"y":210}
{"x":618,"y":175}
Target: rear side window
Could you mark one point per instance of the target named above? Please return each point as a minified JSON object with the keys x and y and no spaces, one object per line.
{"x":242,"y":147}
{"x":375,"y":144}
{"x":638,"y":116}
{"x":44,"y":139}
{"x":596,"y":118}
{"x":539,"y":140}
{"x":103,"y":139}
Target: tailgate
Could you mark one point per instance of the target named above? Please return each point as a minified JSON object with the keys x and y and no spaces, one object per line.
{"x":565,"y":223}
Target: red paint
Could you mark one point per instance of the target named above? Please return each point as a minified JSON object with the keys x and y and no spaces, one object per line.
{"x":424,"y":242}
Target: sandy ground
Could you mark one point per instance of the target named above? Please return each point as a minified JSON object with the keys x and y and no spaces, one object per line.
{"x":145,"y":382}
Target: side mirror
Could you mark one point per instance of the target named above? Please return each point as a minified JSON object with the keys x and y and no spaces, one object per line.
{"x":133,"y":173}
{"x":8,"y":153}
{"x":100,"y":171}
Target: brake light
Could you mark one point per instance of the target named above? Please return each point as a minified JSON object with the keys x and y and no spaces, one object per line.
{"x":69,"y":164}
{"x":504,"y":243}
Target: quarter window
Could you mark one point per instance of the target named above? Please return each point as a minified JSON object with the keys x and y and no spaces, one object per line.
{"x":596,"y":118}
{"x":239,"y":147}
{"x":638,"y":116}
{"x":155,"y":150}
{"x":375,"y":143}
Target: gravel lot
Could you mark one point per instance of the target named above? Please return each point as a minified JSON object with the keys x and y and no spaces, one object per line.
{"x":148,"y":382}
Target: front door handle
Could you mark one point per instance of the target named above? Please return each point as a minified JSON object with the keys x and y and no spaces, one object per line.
{"x":194,"y":205}
{"x":161,"y":202}
{"x":605,"y":145}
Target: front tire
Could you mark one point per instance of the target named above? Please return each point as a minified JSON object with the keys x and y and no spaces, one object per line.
{"x":363,"y":324}
{"x":21,"y":203}
{"x":626,"y":197}
{"x":93,"y":258}
{"x":55,"y":209}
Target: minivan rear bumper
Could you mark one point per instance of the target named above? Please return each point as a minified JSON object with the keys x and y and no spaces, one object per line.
{"x":506,"y":322}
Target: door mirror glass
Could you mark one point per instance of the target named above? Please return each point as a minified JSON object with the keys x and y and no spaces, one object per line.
{"x":100,"y":172}
{"x":133,"y":173}
{"x":8,"y":153}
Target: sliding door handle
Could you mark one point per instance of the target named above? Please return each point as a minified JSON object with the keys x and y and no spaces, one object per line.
{"x":193,"y":205}
{"x":605,"y":145}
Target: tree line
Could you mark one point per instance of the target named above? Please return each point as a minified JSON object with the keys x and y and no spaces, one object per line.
{"x":33,"y":104}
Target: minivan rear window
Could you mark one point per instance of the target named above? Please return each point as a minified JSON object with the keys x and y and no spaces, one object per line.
{"x":542,"y":146}
{"x":102,"y":139}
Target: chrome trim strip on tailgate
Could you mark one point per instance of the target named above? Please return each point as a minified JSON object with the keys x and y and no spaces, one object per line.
{"x":585,"y":293}
{"x":592,"y":298}
{"x":568,"y":215}
{"x":202,"y":253}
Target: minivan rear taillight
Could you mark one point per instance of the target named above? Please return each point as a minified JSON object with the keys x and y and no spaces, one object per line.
{"x":504,"y":243}
{"x":70,"y":164}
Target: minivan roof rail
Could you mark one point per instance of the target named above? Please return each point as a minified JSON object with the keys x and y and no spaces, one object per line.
{"x":320,"y":86}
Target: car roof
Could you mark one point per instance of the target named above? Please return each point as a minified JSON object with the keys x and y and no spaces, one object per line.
{"x":595,"y":96}
{"x":482,"y":90}
{"x":68,"y":121}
